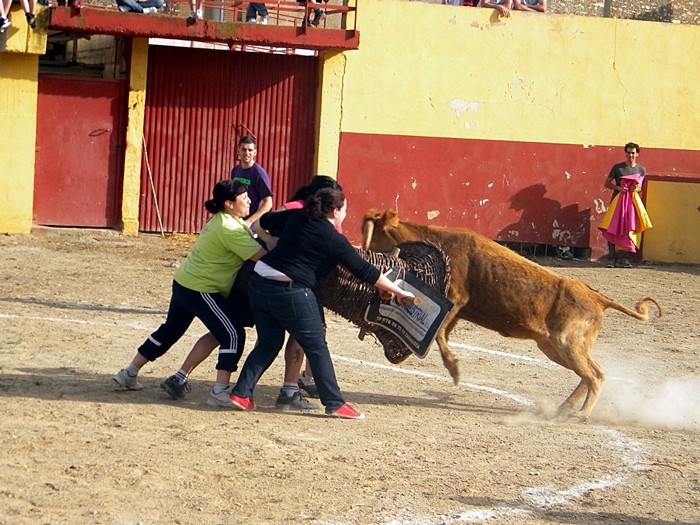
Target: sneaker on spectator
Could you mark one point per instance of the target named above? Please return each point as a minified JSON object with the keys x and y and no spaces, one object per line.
{"x":127,"y":382}
{"x":295,"y":402}
{"x":31,"y":20}
{"x":4,"y":23}
{"x":174,"y":388}
{"x":242,"y":403}
{"x":319,"y":18}
{"x":200,"y":14}
{"x":307,"y":385}
{"x":264,"y":20}
{"x":150,"y":10}
{"x":222,"y":399}
{"x":124,"y":9}
{"x":192,"y":18}
{"x":251,"y":21}
{"x":346,"y":412}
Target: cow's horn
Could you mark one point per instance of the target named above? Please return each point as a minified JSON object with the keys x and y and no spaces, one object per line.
{"x":367,"y":234}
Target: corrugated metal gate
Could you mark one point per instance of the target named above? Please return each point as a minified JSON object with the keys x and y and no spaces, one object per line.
{"x":199,"y":102}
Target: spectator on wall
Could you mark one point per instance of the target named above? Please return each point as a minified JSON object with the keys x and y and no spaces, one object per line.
{"x":196,"y":12}
{"x":148,"y":7}
{"x":254,"y":10}
{"x":318,"y":17}
{"x":502,"y":6}
{"x":29,"y":6}
{"x":530,"y":5}
{"x":4,"y":12}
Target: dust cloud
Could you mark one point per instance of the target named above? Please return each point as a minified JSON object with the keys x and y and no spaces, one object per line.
{"x":673,"y":403}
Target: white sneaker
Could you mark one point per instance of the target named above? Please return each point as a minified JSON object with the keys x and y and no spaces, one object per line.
{"x":221,"y":399}
{"x":200,"y":14}
{"x":263,"y":20}
{"x":150,"y":10}
{"x":124,"y":9}
{"x":127,"y":382}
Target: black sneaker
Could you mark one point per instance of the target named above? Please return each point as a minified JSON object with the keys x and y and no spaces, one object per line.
{"x":309,"y":387}
{"x":174,"y":389}
{"x":31,"y":20}
{"x":623,"y":262}
{"x":295,"y":402}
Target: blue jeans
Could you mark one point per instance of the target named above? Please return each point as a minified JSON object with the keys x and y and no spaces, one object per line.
{"x":279,"y":307}
{"x":254,"y":9}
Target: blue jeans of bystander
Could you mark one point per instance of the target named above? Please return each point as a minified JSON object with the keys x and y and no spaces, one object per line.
{"x":279,"y":307}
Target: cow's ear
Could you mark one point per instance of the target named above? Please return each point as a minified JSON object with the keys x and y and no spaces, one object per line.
{"x":391,"y":218}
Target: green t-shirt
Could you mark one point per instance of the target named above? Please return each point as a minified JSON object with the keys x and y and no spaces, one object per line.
{"x":212,"y":265}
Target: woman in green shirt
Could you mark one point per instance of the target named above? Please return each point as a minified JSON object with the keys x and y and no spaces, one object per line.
{"x":201,"y":286}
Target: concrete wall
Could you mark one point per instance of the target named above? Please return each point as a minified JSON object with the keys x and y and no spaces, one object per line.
{"x":453,"y":116}
{"x":19,"y":69}
{"x":675,"y":237}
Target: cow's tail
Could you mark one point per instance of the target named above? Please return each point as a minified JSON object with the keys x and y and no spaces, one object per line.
{"x":641,"y":309}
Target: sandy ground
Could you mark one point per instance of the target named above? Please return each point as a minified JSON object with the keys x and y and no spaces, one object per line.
{"x":75,"y":304}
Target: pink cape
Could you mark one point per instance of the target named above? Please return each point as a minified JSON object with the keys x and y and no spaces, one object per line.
{"x":626,"y":217}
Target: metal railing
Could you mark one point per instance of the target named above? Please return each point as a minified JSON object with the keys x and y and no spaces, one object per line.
{"x":340,"y":15}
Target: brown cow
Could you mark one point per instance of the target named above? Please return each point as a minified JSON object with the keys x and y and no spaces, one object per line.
{"x":502,"y":291}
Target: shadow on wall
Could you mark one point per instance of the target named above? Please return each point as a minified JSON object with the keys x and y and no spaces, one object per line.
{"x":544,"y":221}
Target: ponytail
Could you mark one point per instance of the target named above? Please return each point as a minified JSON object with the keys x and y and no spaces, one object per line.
{"x":225,"y":190}
{"x":323,"y":202}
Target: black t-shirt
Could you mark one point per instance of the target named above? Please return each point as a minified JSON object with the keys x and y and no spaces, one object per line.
{"x":621,"y":169}
{"x":308,"y":249}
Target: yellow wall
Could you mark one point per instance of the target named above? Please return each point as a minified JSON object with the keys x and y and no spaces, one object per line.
{"x":134,"y":137}
{"x":675,"y":235}
{"x":440,"y":71}
{"x":329,"y":111}
{"x":19,"y":70}
{"x":427,"y":70}
{"x":18,"y":93}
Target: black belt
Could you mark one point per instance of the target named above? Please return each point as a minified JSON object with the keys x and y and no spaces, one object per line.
{"x":283,"y":284}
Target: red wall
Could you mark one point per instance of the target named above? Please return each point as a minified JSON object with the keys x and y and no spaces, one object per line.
{"x":509,"y":191}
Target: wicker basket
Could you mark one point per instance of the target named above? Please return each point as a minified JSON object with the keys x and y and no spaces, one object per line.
{"x":342,"y":293}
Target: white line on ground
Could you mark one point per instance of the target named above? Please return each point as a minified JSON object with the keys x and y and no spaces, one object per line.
{"x":502,"y":393}
{"x":531,"y":360}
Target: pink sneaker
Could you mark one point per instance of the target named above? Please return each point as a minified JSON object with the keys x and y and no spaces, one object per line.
{"x":346,"y":412}
{"x":242,"y":403}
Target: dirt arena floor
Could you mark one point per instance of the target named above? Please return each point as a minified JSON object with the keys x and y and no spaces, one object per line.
{"x":75,"y":304}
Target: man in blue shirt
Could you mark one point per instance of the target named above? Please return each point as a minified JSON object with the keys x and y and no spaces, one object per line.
{"x":255,"y":177}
